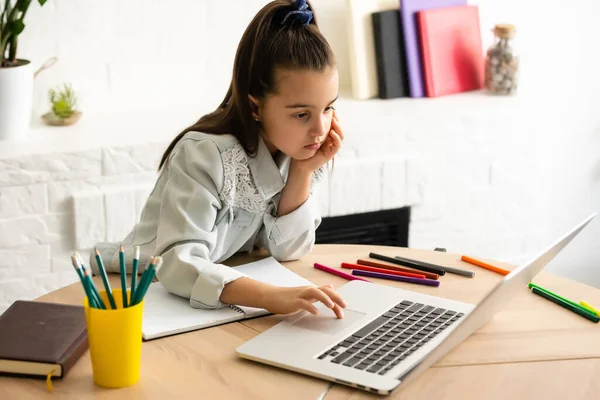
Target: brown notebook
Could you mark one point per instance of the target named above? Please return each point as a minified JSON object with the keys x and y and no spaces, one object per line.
{"x":38,"y":337}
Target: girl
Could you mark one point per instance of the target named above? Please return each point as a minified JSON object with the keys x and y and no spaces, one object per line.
{"x":243,"y":176}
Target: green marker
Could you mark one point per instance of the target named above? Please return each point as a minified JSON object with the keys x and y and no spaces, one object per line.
{"x":533,"y":285}
{"x":565,"y":304}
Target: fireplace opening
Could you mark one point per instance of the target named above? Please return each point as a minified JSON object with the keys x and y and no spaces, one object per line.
{"x":385,"y":227}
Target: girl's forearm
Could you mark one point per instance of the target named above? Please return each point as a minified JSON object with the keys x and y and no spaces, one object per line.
{"x":246,"y":292}
{"x":295,"y":192}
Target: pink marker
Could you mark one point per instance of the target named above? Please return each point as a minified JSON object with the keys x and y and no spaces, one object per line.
{"x":339,"y":273}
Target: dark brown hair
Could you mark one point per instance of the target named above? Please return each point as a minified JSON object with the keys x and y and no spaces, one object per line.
{"x":266,"y":44}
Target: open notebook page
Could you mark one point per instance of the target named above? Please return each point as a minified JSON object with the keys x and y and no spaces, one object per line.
{"x":167,"y":314}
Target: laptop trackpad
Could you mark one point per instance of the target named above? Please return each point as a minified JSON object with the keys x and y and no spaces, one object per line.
{"x":327,"y":322}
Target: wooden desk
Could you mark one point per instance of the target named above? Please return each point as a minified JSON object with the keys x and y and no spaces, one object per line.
{"x":531,"y":349}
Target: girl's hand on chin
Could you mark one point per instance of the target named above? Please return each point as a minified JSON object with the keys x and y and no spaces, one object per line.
{"x":326,"y":152}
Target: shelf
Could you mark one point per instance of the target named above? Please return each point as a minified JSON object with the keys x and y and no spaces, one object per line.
{"x":128,"y":128}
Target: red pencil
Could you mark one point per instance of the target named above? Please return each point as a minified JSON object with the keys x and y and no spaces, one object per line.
{"x":381,"y":270}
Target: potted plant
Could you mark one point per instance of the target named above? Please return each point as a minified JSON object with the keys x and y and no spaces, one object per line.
{"x":16,"y":75}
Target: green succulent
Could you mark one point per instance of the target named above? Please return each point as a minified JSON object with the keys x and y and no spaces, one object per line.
{"x":63,"y":101}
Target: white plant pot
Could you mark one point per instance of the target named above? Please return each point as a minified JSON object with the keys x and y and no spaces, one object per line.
{"x":16,"y":96}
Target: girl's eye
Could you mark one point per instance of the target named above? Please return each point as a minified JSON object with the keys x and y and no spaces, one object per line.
{"x":301,"y":115}
{"x":330,"y":108}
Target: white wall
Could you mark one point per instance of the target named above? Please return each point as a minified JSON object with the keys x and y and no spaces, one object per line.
{"x":492,"y":177}
{"x":561,"y":78}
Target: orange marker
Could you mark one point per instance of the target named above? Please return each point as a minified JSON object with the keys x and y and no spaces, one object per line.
{"x":484,"y":265}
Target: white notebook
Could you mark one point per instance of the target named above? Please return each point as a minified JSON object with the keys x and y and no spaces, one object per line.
{"x":361,"y":45}
{"x":167,"y":314}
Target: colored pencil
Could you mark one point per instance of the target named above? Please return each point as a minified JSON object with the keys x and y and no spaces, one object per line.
{"x":86,"y":288}
{"x":142,"y":282}
{"x":123,"y":272}
{"x":90,"y":282}
{"x":77,"y":267}
{"x":93,"y":291}
{"x":418,"y":281}
{"x":134,"y":271}
{"x":456,"y":271}
{"x":487,"y":266}
{"x":141,"y":277}
{"x":147,"y":278}
{"x":370,"y":263}
{"x":564,"y":304}
{"x":111,"y":299}
{"x":381,"y":270}
{"x":338,"y":273}
{"x":407,"y":264}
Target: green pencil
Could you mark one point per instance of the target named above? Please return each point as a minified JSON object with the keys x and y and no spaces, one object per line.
{"x":140,"y":287}
{"x":145,"y":284}
{"x":77,"y":267}
{"x":123,"y":271}
{"x":139,"y":282}
{"x":90,"y":282}
{"x":567,"y":305}
{"x":149,"y":275}
{"x":111,"y":299}
{"x":134,"y":272}
{"x":533,"y":285}
{"x":86,"y":288}
{"x":143,"y":281}
{"x":95,"y":295}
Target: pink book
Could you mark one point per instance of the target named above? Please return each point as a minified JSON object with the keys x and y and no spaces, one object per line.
{"x":452,"y":52}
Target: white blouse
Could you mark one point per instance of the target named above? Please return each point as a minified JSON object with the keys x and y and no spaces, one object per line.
{"x":209,"y":202}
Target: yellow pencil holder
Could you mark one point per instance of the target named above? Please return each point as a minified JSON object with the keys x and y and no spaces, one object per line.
{"x":115,"y":341}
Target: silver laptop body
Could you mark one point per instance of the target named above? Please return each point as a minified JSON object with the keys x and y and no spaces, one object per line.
{"x":388,"y":336}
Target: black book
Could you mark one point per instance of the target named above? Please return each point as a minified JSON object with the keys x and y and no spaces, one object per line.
{"x":392,"y":74}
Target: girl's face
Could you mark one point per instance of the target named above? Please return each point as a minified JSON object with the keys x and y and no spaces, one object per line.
{"x":296,"y":119}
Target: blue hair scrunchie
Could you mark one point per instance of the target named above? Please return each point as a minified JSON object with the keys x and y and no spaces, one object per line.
{"x":301,"y":13}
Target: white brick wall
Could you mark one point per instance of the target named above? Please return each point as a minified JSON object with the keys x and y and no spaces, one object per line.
{"x":18,"y":201}
{"x":24,"y":262}
{"x":63,"y":203}
{"x":492,"y":177}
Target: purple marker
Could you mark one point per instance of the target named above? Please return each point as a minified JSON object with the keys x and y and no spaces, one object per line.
{"x":420,"y":281}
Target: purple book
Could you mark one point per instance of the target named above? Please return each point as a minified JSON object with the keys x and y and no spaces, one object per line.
{"x":408,"y":11}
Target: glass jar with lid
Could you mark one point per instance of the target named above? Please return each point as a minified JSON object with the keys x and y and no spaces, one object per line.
{"x":502,"y":62}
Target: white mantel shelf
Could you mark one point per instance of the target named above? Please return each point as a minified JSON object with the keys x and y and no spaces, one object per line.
{"x":129,"y":128}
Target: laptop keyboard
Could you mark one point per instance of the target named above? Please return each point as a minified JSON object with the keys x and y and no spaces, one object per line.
{"x":396,"y":334}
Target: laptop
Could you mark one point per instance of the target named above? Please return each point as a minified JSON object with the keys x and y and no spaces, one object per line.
{"x":388,"y":336}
